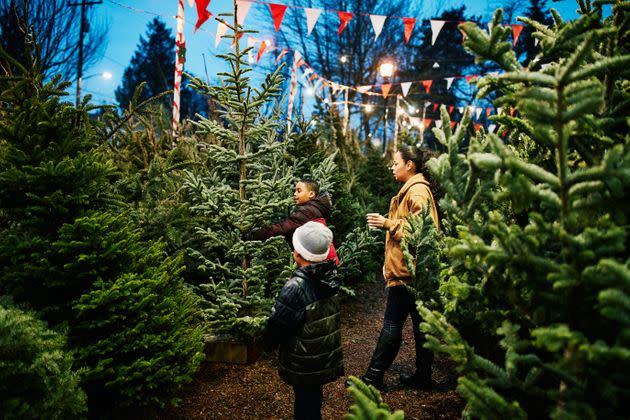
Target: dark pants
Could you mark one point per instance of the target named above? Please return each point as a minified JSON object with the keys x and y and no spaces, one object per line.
{"x":308,"y":402}
{"x":400,"y":304}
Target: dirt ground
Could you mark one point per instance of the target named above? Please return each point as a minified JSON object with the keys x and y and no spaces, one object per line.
{"x":228,"y":391}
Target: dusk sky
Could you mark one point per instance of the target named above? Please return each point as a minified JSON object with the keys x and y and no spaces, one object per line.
{"x":127,"y":21}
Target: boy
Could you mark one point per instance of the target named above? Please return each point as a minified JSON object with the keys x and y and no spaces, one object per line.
{"x":310,"y":206}
{"x":305,"y":322}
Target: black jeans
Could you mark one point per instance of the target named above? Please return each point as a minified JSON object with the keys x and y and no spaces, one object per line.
{"x":400,"y":304}
{"x":308,"y":402}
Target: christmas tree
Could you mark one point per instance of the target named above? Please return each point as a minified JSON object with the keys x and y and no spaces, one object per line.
{"x":537,"y":256}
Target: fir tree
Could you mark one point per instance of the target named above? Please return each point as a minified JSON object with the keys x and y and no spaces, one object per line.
{"x":538,"y":254}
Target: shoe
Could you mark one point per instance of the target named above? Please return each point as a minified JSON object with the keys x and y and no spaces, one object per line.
{"x":376,"y":383}
{"x":422,"y":382}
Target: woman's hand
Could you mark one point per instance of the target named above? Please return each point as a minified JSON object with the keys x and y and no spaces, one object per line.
{"x":375,"y":220}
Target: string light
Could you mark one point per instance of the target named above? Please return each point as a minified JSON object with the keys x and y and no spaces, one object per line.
{"x":368,"y":108}
{"x":343,"y":59}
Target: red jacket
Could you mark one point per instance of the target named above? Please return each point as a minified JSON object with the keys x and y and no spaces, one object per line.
{"x":317,"y":210}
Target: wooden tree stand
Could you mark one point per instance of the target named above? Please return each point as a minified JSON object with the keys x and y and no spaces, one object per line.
{"x":225,"y":348}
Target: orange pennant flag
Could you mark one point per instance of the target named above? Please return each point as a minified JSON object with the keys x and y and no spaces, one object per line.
{"x":261,"y":50}
{"x":488,"y":111}
{"x":409,"y":24}
{"x":427,"y":85}
{"x":277,"y":13}
{"x":427,"y":122}
{"x":450,"y":109}
{"x":344,"y":18}
{"x":477,"y":127}
{"x":385,"y":88}
{"x":516,"y":32}
{"x":312,"y":77}
{"x":453,"y":124}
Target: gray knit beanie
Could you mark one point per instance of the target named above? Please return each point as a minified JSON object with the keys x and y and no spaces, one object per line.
{"x":312,"y":241}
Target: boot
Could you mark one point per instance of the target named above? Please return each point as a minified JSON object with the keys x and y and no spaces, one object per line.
{"x":417,"y":381}
{"x":384,"y":354}
{"x":421,"y":379}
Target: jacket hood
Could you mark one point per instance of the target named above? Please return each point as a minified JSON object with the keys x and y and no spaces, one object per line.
{"x":323,"y":202}
{"x":323,"y":274}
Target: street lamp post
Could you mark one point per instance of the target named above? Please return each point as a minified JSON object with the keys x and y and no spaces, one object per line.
{"x":106,"y":75}
{"x":386,"y":69}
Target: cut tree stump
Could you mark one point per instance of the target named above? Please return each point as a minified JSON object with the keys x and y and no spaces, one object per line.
{"x":228,"y":349}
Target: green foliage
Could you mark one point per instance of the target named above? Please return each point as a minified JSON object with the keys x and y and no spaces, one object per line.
{"x":136,"y":328}
{"x":356,"y":255}
{"x":36,"y":376}
{"x":368,"y":403}
{"x":537,"y":245}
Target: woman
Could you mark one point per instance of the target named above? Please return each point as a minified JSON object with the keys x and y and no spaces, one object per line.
{"x":407,"y":166}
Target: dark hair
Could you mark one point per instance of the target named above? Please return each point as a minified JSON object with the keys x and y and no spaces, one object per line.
{"x":420,"y":157}
{"x":311,"y":184}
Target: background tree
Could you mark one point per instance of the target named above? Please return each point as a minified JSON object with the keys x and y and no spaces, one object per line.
{"x":154,"y":62}
{"x":54,"y":26}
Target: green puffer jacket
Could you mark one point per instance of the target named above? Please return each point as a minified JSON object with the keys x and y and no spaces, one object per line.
{"x":305,"y":321}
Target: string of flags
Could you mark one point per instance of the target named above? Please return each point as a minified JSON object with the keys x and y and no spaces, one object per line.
{"x":312,"y":15}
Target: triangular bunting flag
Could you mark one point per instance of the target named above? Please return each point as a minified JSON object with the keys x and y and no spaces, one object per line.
{"x":277,"y":13}
{"x":221,"y":30}
{"x":311,"y":18}
{"x":427,"y":104}
{"x":490,"y":28}
{"x":453,"y":124}
{"x":243,"y":9}
{"x":536,"y":41}
{"x":251,"y":42}
{"x":460,"y":109}
{"x":435,"y":107}
{"x":499,"y":109}
{"x":405,"y":87}
{"x":450,"y":109}
{"x":191,"y":3}
{"x":436,"y":27}
{"x":282,"y":54}
{"x":477,"y":127}
{"x":488,"y":111}
{"x":516,"y":32}
{"x":427,"y":122}
{"x":377,"y":24}
{"x":438,"y":123}
{"x":427,"y":85}
{"x":491,"y":128}
{"x":344,"y":18}
{"x":363,"y":89}
{"x":261,"y":50}
{"x":409,"y":24}
{"x":469,"y":77}
{"x":449,"y":82}
{"x":202,"y":14}
{"x":240,"y":35}
{"x":478,"y":112}
{"x":385,"y":88}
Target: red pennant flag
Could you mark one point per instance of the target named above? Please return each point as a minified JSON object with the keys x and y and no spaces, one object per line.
{"x":277,"y":13}
{"x":427,"y":85}
{"x":202,"y":14}
{"x":240,"y":35}
{"x":488,"y":111}
{"x":450,"y":109}
{"x":477,"y":127}
{"x":385,"y":88}
{"x":312,"y":77}
{"x":344,"y":18}
{"x":516,"y":32}
{"x":435,"y":107}
{"x":453,"y":124}
{"x":470,"y":76}
{"x":427,"y":122}
{"x":261,"y":50}
{"x":409,"y":24}
{"x":282,"y":53}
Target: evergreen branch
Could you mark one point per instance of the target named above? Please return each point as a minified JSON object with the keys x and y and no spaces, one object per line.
{"x":614,"y":65}
{"x":564,"y":71}
{"x":529,"y":77}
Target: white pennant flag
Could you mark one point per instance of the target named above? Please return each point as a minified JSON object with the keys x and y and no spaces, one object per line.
{"x":536,"y":41}
{"x":449,"y":82}
{"x":243,"y":9}
{"x":363,"y":89}
{"x":251,"y":42}
{"x":311,"y":18}
{"x":499,"y":109}
{"x":460,"y":109}
{"x":438,"y":123}
{"x":490,"y":28}
{"x":377,"y":23}
{"x":405,"y":88}
{"x":436,"y":27}
{"x":221,"y":30}
{"x":426,"y":104}
{"x":478,"y":112}
{"x":491,"y":128}
{"x":191,"y":3}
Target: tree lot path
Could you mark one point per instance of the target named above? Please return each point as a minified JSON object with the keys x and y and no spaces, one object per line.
{"x":229,"y":391}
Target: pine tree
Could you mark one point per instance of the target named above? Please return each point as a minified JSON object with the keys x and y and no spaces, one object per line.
{"x":153,"y":62}
{"x":538,"y":254}
{"x":249,"y":184}
{"x":369,"y":404}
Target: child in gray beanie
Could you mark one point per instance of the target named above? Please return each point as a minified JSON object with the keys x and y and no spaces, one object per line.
{"x":305,"y":322}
